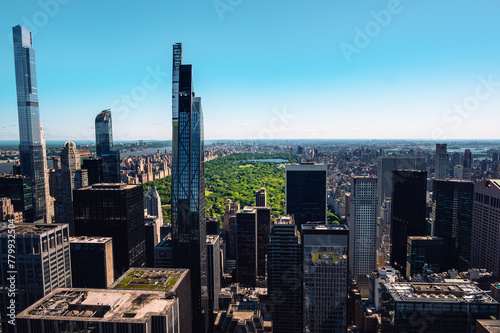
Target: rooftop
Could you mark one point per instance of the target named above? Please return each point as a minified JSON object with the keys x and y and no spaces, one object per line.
{"x":211,"y":239}
{"x":164,"y":279}
{"x":438,"y":292}
{"x":324,"y":227}
{"x":99,"y":305}
{"x":107,"y":186}
{"x":32,"y":228}
{"x":89,"y":240}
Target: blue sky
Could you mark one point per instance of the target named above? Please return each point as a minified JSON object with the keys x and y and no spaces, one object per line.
{"x":350,"y":69}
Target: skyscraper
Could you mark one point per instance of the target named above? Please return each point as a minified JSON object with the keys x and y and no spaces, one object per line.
{"x":117,"y":211}
{"x":485,"y":239}
{"x":424,"y":250}
{"x":261,"y":197}
{"x":305,"y":192}
{"x":152,"y":203}
{"x":408,"y":212}
{"x":42,"y":264}
{"x":467,"y":164}
{"x":452,"y":220}
{"x":213,"y":272}
{"x":70,"y":177}
{"x":385,"y":166}
{"x":325,"y":250}
{"x":441,"y":162}
{"x":104,"y":148}
{"x":30,"y":138}
{"x":284,"y":276}
{"x":246,"y":240}
{"x":363,"y":226}
{"x":188,"y":187}
{"x":18,"y":190}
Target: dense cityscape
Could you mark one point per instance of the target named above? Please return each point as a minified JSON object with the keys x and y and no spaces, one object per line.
{"x":256,"y":235}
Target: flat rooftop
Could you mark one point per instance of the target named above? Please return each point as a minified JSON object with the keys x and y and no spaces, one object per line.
{"x":308,"y":166}
{"x":160,"y":279}
{"x":32,"y":228}
{"x":97,"y":305}
{"x":89,"y":240}
{"x":438,"y":292}
{"x":211,"y":239}
{"x":320,"y":227}
{"x":107,"y":186}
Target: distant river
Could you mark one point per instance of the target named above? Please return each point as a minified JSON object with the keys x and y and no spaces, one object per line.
{"x":145,"y":152}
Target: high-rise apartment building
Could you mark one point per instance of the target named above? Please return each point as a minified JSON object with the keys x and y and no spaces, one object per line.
{"x":91,"y":262}
{"x":104,"y":148}
{"x":68,"y":178}
{"x":408,"y":212}
{"x":441,"y":162}
{"x":30,"y":138}
{"x":188,"y":187}
{"x":261,"y":197}
{"x":385,"y":166}
{"x":452,"y":220}
{"x":325,"y":251}
{"x":363,"y":226}
{"x":305,"y":192}
{"x":18,"y":190}
{"x":42,"y":264}
{"x":485,"y":239}
{"x":117,"y":211}
{"x":284,"y":276}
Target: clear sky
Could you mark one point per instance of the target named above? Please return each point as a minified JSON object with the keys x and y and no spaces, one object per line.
{"x":264,"y":69}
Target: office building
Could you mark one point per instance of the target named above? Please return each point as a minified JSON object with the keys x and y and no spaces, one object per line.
{"x":117,"y":211}
{"x":385,"y":166}
{"x":214,"y":272}
{"x":325,"y":250}
{"x":93,"y":165}
{"x":104,"y":148}
{"x":363,"y":226}
{"x":163,"y":256}
{"x":188,"y":187}
{"x":30,"y":138}
{"x":152,"y":237}
{"x":305,"y":192}
{"x":408,"y":212}
{"x":261,"y":197}
{"x":284,"y":276}
{"x":7,"y":212}
{"x":252,"y":230}
{"x":91,"y":262}
{"x":68,"y":178}
{"x":244,"y":317}
{"x":425,"y":251}
{"x":172,"y":283}
{"x":434,"y":307}
{"x":452,"y":220}
{"x":441,"y":162}
{"x":467,"y":165}
{"x":101,"y":311}
{"x":18,"y":190}
{"x":485,"y":238}
{"x":213,"y":225}
{"x":487,"y":326}
{"x":42,"y":264}
{"x":152,"y":203}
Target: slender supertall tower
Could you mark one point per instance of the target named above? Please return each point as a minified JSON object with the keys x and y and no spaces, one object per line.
{"x":31,"y":150}
{"x":188,"y":190}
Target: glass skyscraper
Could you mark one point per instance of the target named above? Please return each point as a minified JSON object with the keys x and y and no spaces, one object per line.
{"x":30,"y":139}
{"x":104,"y":148}
{"x":188,"y":188}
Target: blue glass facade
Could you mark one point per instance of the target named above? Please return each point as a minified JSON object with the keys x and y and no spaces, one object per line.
{"x":188,"y":195}
{"x":104,"y":148}
{"x":31,"y":150}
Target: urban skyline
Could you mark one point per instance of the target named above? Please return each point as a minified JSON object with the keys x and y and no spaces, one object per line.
{"x":409,"y":76}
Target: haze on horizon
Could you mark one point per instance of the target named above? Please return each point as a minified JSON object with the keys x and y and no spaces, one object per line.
{"x":328,"y":70}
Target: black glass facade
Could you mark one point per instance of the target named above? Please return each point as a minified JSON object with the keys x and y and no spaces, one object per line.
{"x":452,"y":220}
{"x":408,"y":212}
{"x":18,"y":190}
{"x":188,"y":192}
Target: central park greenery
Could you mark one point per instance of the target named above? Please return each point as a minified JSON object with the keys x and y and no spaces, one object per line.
{"x":237,"y":177}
